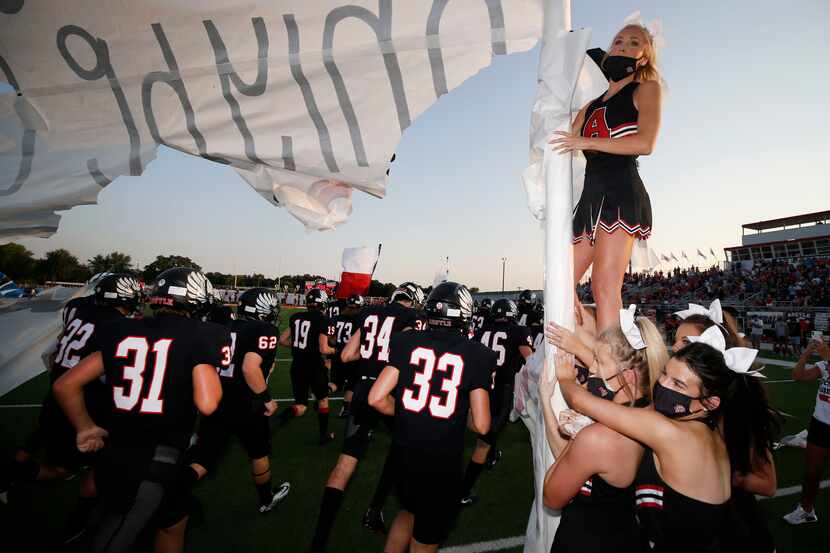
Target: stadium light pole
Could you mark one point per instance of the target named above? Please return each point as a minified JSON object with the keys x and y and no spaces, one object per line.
{"x":503,"y":263}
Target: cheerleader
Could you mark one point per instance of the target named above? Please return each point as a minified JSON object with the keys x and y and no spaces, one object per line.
{"x":612,"y":131}
{"x":702,"y":427}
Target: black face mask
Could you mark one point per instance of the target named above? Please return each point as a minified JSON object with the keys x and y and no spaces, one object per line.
{"x":672,"y":404}
{"x":596,"y":386}
{"x":582,"y":374}
{"x":619,"y":67}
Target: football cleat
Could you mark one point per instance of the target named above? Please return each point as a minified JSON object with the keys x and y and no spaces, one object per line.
{"x":328,"y":438}
{"x":373,"y":520}
{"x":800,"y":516}
{"x":279,"y":494}
{"x":471,"y":499}
{"x":493,"y":458}
{"x":345,"y":411}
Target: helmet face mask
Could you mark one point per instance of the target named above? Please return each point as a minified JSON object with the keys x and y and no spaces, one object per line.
{"x":259,"y":304}
{"x":449,"y":305}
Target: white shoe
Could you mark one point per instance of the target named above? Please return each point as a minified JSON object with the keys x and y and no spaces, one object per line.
{"x":800,"y":516}
{"x":279,"y":494}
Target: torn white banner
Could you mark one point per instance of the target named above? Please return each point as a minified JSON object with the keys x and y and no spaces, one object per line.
{"x":306,"y":100}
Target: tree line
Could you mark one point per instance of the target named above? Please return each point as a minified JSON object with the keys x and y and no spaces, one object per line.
{"x":60,"y":265}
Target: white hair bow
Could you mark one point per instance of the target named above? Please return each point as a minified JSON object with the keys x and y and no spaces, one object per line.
{"x":738,"y":360}
{"x":629,"y":327}
{"x":714,"y":313}
{"x":655,"y":28}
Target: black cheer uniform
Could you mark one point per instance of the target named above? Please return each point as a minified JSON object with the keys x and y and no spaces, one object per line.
{"x":613,"y":197}
{"x":600,"y":518}
{"x":671,"y":521}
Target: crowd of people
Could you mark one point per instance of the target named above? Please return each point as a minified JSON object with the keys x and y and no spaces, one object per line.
{"x":127,"y":391}
{"x":796,"y":283}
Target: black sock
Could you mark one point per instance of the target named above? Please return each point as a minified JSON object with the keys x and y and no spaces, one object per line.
{"x":386,"y":482}
{"x":323,"y":421}
{"x":286,"y":415}
{"x":470,"y":476}
{"x":264,"y":492}
{"x":346,"y":405}
{"x":332,"y":497}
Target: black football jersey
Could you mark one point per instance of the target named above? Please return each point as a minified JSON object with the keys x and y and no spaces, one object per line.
{"x":341,"y":328}
{"x":505,"y":338}
{"x":82,"y":319}
{"x":477,"y":321}
{"x":532,"y":319}
{"x":149,"y":371}
{"x":334,"y":309}
{"x":248,"y":336}
{"x":376,"y":325}
{"x":306,"y":328}
{"x":437,"y":370}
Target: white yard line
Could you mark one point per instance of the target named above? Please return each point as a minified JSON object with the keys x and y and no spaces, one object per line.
{"x":777,"y":381}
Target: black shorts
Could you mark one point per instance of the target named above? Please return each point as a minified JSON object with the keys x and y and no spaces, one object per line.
{"x":119,"y":476}
{"x":343,"y":374}
{"x":305,"y":377}
{"x":429,"y":487}
{"x":501,"y":403}
{"x":363,"y":419}
{"x":818,"y":433}
{"x":251,"y":428}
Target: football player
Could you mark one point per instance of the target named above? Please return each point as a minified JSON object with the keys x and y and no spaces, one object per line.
{"x":246,"y":401}
{"x":341,"y":328}
{"x":307,"y":336}
{"x":512,"y":344}
{"x":115,"y":296}
{"x":159,"y":371}
{"x":370,"y":345}
{"x":439,"y":376}
{"x":481,"y":314}
{"x":530,"y":314}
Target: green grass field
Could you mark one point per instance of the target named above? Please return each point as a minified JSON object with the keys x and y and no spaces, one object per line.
{"x":228,"y":521}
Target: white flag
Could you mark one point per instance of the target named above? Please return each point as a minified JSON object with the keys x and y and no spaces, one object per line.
{"x":305,"y":100}
{"x":442,"y":274}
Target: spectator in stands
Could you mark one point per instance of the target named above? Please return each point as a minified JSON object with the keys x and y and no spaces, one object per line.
{"x":780,"y":336}
{"x":757,"y":331}
{"x":794,"y":330}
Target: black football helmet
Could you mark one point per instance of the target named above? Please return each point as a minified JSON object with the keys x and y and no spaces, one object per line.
{"x":316,"y":298}
{"x":449,"y":305}
{"x":485,"y":306}
{"x":118,"y":290}
{"x":259,"y":304}
{"x":505,"y":309}
{"x":181,"y":288}
{"x":527,"y":298}
{"x":355,"y":301}
{"x":409,"y":291}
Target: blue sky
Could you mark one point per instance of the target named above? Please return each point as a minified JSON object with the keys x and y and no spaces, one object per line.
{"x":743,"y":138}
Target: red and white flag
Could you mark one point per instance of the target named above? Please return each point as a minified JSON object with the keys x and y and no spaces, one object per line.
{"x":358,"y":267}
